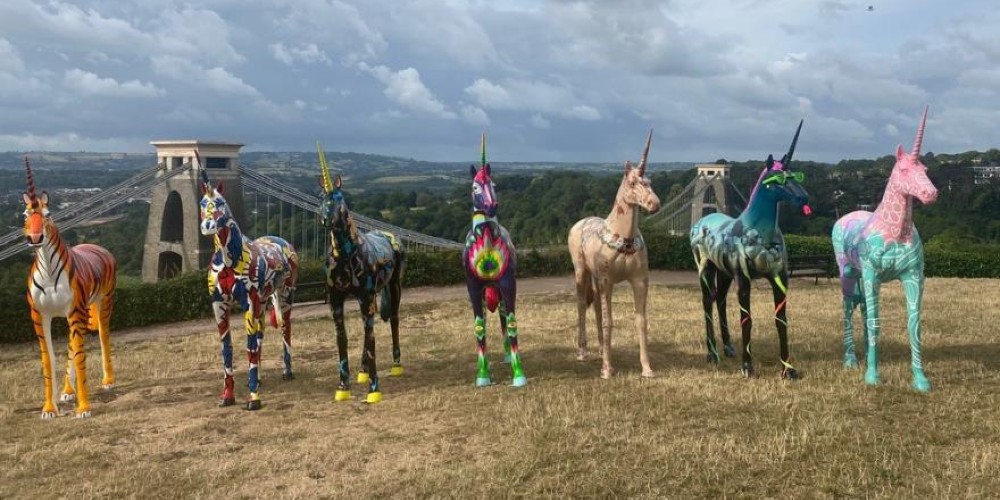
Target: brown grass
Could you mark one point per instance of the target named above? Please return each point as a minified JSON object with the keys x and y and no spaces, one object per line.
{"x":695,"y":431}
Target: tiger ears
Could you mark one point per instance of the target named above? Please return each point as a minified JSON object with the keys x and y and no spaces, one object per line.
{"x":27,"y":199}
{"x":338,"y":182}
{"x":43,"y":199}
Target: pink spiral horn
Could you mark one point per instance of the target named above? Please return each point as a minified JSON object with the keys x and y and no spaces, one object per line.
{"x":920,"y":134}
{"x":31,"y":178}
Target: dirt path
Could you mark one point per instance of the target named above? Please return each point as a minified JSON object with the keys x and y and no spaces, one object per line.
{"x":308,"y":310}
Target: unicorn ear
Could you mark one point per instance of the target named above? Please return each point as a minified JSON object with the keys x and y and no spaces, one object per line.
{"x":628,"y":166}
{"x":27,"y":199}
{"x":488,"y":171}
{"x":899,"y":151}
{"x":770,"y":161}
{"x":220,"y":188}
{"x":338,"y":182}
{"x":44,"y":198}
{"x":472,"y":170}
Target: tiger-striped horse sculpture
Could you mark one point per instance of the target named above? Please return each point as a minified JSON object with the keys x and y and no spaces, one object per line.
{"x":259,"y":275}
{"x":872,"y":248}
{"x":490,"y":265}
{"x":364,"y":265}
{"x":75,"y":283}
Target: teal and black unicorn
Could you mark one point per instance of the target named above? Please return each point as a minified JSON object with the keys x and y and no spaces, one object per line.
{"x":747,"y":247}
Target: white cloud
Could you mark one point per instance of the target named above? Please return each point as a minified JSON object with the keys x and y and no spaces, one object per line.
{"x":90,"y":84}
{"x":405,"y":89}
{"x":65,"y":141}
{"x":525,"y":95}
{"x":475,"y":115}
{"x":335,"y":23}
{"x":538,"y":121}
{"x":217,"y":79}
{"x":10,"y":58}
{"x":307,"y":53}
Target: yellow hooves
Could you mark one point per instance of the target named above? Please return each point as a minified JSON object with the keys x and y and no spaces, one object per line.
{"x":373,"y":397}
{"x":396,"y":371}
{"x":363,"y":378}
{"x":341,"y":395}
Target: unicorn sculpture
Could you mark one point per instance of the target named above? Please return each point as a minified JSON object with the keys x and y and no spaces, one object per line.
{"x":259,"y":275}
{"x":490,"y":267}
{"x":365,"y":265}
{"x":75,"y":283}
{"x":608,"y":251}
{"x":872,"y":248}
{"x":748,"y":247}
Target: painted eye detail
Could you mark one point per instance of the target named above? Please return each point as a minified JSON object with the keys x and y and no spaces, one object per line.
{"x":476,"y":189}
{"x":45,"y":212}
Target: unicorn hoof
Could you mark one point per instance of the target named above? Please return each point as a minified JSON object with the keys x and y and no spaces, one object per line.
{"x":850,"y":362}
{"x":288,"y":376}
{"x":253,"y":405}
{"x":922,"y":385}
{"x":519,"y":381}
{"x":48,"y":415}
{"x":581,"y":355}
{"x":607,"y":372}
{"x":729,"y":351}
{"x":341,"y":395}
{"x":747,"y":371}
{"x":67,"y":397}
{"x":363,"y":378}
{"x":483,"y":382}
{"x":712,"y":358}
{"x":83,"y":414}
{"x":396,"y":371}
{"x":871,"y":378}
{"x":789,"y":374}
{"x":108,"y":387}
{"x":373,"y":397}
{"x":648,"y":374}
{"x":226,"y":402}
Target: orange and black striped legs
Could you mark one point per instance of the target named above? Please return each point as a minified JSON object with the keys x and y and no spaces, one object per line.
{"x":77,"y":326}
{"x":43,"y":331}
{"x":102,"y":312}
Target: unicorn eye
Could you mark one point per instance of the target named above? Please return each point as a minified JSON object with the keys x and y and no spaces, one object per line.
{"x":45,"y":212}
{"x":477,"y":189}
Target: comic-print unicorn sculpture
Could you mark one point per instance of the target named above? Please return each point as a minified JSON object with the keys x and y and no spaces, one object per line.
{"x":258,"y":275}
{"x":748,"y":247}
{"x":873,"y":248}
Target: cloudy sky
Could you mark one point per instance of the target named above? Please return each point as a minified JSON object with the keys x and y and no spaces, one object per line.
{"x":556,"y":81}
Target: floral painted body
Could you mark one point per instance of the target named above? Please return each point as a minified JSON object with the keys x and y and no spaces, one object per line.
{"x":366,"y":266}
{"x":873,"y":248}
{"x":611,"y":250}
{"x":745,"y":248}
{"x":490,"y":263}
{"x":76,"y":283}
{"x":257,"y":275}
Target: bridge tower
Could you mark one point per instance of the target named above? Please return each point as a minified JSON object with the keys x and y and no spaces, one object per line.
{"x":174,"y":244}
{"x":710,"y":191}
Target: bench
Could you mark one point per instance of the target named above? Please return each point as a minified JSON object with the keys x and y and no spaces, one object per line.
{"x":312,"y":285}
{"x":816,"y":266}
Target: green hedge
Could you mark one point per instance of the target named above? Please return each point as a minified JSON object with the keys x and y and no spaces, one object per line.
{"x":186,"y":297}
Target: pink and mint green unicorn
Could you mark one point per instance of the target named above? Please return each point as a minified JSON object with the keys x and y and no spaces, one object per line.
{"x":873,"y":248}
{"x":490,"y":267}
{"x":258,"y":275}
{"x":368,"y":266}
{"x":747,"y":247}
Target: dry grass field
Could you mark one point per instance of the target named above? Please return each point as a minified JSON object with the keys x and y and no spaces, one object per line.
{"x":695,"y":431}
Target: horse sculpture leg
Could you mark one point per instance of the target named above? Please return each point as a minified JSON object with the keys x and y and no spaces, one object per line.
{"x":43,"y":331}
{"x":706,"y":276}
{"x":482,"y":363}
{"x":746,"y":322}
{"x":604,"y":292}
{"x":77,"y":326}
{"x":254,"y":338}
{"x":913,"y":287}
{"x":871,"y":286}
{"x":103,"y":314}
{"x":337,"y":309}
{"x":723,"y":282}
{"x":503,"y":332}
{"x":221,"y":310}
{"x":281,"y":302}
{"x":367,"y":305}
{"x":508,"y":293}
{"x":848,"y":290}
{"x":584,"y":295}
{"x":395,"y":297}
{"x":640,"y":288}
{"x":779,"y":287}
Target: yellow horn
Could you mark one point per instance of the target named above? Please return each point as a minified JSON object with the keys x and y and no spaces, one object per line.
{"x":327,"y":183}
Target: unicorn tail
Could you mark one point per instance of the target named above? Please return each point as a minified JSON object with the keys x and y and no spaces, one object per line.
{"x":385,"y":304}
{"x":492,"y":298}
